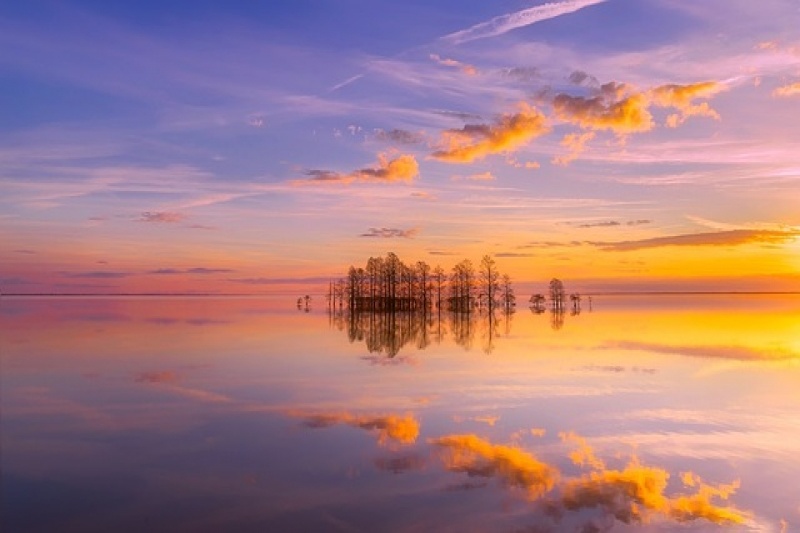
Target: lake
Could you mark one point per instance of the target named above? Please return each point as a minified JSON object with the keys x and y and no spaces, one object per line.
{"x":646,"y":413}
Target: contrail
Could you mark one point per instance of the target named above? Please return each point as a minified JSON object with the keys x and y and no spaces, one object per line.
{"x":511,"y":21}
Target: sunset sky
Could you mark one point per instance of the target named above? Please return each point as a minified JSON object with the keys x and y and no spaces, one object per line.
{"x":245,"y":146}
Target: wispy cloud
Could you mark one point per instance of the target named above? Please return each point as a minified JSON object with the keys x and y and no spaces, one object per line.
{"x":96,"y":275}
{"x":519,"y":19}
{"x":446,"y":62}
{"x":394,"y":428}
{"x":399,"y":136}
{"x":390,"y":233}
{"x":161,"y":217}
{"x":482,"y":176}
{"x":718,"y":238}
{"x":196,"y":270}
{"x":792,"y":89}
{"x":737,"y":353}
{"x":280,"y":281}
{"x":403,"y":168}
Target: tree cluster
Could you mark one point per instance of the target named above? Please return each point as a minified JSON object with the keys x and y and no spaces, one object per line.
{"x":387,"y":284}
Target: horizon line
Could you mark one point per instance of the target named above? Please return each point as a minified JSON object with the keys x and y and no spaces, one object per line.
{"x":210,"y":294}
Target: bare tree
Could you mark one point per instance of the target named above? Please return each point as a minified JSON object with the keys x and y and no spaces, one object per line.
{"x":489,"y":282}
{"x":557,"y":294}
{"x":509,"y":300}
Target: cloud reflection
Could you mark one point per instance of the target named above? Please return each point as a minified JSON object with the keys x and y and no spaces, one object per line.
{"x":634,"y":494}
{"x":394,"y":428}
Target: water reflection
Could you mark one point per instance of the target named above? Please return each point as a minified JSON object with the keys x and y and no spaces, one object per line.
{"x":225,"y":414}
{"x":388,"y":332}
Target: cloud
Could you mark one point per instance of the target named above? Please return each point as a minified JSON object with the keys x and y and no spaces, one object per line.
{"x":681,"y":97}
{"x":620,"y":108}
{"x":578,"y":77}
{"x":615,"y":107}
{"x":483,"y":176}
{"x":737,"y":353}
{"x":166,"y":376}
{"x":398,"y":465}
{"x":718,"y":238}
{"x":423,"y":195}
{"x":634,"y":494}
{"x":279,"y":281}
{"x":576,"y":144}
{"x":523,"y":74}
{"x":462,"y":115}
{"x":791,"y":89}
{"x":399,"y":429}
{"x":197,"y":270}
{"x":391,"y":233}
{"x":403,"y":168}
{"x":161,"y":216}
{"x":511,"y":21}
{"x":96,"y":275}
{"x":476,"y":141}
{"x":603,"y":224}
{"x":514,"y":466}
{"x":512,"y":254}
{"x":400,"y":136}
{"x":25,"y":252}
{"x":463,"y":67}
{"x":631,"y":494}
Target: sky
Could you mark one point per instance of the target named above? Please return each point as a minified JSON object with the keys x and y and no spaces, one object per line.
{"x":263,"y":147}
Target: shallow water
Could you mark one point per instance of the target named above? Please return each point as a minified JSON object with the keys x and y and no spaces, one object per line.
{"x":247,"y":414}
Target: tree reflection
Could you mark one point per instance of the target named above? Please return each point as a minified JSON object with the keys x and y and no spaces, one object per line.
{"x":388,"y":332}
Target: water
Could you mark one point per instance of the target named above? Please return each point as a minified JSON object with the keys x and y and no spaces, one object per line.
{"x":246,"y":414}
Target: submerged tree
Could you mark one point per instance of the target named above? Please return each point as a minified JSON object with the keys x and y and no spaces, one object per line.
{"x":389,"y":285}
{"x":557,"y":294}
{"x":508,"y":298}
{"x":489,"y":283}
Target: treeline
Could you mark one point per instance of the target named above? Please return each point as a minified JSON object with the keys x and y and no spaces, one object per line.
{"x":387,"y":284}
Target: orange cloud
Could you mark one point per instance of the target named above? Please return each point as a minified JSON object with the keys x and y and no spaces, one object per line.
{"x":620,"y":108}
{"x":787,"y":90}
{"x":400,"y":429}
{"x":635,"y":492}
{"x":517,"y":468}
{"x":681,"y":97}
{"x":576,"y":143}
{"x":476,"y":141}
{"x":403,"y":168}
{"x":584,"y":454}
{"x":616,"y":108}
{"x":717,"y":238}
{"x":464,"y":67}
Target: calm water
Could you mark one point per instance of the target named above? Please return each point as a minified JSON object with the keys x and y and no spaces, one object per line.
{"x":675,"y":413}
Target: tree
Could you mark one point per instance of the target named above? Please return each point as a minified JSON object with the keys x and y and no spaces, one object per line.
{"x":439,"y":280}
{"x":423,"y":280}
{"x":557,"y":294}
{"x":462,"y":286}
{"x":489,"y":282}
{"x":509,"y":300}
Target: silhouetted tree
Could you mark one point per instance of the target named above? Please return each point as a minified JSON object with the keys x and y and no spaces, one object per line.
{"x":489,"y":282}
{"x":509,"y":300}
{"x":439,"y":281}
{"x":557,"y":294}
{"x":462,"y":287}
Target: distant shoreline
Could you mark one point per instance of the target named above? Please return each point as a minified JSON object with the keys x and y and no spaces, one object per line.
{"x":212,"y":295}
